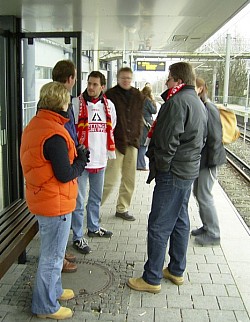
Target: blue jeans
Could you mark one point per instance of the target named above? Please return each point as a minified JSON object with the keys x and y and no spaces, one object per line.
{"x":54,"y":234}
{"x":168,"y":218}
{"x":96,"y":181}
{"x":141,"y":163}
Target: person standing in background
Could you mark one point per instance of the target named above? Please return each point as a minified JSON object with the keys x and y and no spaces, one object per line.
{"x":96,"y":120}
{"x":149,"y":108}
{"x":129,"y":106}
{"x":213,"y":155}
{"x":174,"y":159}
{"x":64,"y":72}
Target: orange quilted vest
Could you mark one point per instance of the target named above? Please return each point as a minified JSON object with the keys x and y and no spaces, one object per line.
{"x":45,"y":195}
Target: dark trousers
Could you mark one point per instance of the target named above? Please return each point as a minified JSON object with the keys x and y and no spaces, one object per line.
{"x":168,"y":219}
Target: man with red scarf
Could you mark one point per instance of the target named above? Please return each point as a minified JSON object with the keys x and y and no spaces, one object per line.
{"x":95,"y":116}
{"x":174,"y":159}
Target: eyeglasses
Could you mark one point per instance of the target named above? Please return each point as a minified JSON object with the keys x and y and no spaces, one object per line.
{"x":125,"y":78}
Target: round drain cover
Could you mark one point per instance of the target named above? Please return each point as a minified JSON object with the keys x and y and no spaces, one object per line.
{"x":90,"y":278}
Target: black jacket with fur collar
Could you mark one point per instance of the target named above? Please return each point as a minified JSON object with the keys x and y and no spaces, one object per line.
{"x":129,"y":108}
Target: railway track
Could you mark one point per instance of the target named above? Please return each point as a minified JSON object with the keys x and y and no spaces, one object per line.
{"x":236,"y":185}
{"x":241,"y":166}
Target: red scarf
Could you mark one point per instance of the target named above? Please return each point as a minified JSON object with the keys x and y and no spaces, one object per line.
{"x":172,"y":91}
{"x":83,"y":126}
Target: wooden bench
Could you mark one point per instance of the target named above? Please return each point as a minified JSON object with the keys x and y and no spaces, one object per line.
{"x":17,"y":228}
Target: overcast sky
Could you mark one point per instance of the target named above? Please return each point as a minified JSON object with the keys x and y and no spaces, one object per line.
{"x":237,"y":25}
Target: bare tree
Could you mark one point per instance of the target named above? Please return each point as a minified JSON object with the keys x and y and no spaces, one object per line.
{"x":237,"y":72}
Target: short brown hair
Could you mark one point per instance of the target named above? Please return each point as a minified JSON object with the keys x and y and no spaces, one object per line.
{"x":183,"y":71}
{"x":124,"y":69}
{"x":62,"y":70}
{"x":97,"y":74}
{"x":53,"y":96}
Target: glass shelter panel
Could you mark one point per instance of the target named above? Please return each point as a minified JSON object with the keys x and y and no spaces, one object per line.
{"x":39,"y":56}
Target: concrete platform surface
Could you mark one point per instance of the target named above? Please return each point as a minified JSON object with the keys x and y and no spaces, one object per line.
{"x":217,"y":279}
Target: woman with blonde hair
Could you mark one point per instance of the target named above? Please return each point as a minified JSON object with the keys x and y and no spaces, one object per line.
{"x":50,"y":166}
{"x":212,"y":155}
{"x":148,"y":109}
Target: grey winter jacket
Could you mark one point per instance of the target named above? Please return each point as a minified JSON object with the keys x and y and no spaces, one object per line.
{"x":179,"y":136}
{"x":148,"y":110}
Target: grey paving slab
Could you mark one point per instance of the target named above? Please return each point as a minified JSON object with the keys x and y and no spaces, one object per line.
{"x":232,"y":290}
{"x":194,"y":289}
{"x":166,"y":314}
{"x":140,"y":314}
{"x":179,"y":301}
{"x":231,"y":303}
{"x":205,"y":302}
{"x":189,"y":315}
{"x":222,"y":316}
{"x":214,"y":289}
{"x":241,"y":316}
{"x":224,"y":269}
{"x":153,"y":300}
{"x":208,"y":268}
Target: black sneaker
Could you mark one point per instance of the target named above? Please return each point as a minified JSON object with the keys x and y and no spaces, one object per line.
{"x":82,"y":246}
{"x":101,"y":232}
{"x":206,"y":240}
{"x":125,"y":215}
{"x":197,"y":232}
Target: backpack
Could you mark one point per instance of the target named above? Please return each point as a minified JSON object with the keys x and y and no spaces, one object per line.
{"x":230,"y":130}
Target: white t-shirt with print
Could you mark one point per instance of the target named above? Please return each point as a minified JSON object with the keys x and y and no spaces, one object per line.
{"x":97,"y":136}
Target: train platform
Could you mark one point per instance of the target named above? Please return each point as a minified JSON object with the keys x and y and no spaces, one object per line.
{"x":217,"y":279}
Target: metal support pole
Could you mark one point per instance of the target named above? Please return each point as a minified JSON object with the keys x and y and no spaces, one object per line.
{"x":246,"y":106}
{"x":96,"y":63}
{"x":214,"y":83}
{"x":226,"y":75}
{"x":110,"y":74}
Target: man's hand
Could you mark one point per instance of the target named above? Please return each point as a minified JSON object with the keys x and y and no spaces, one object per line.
{"x":83,"y":154}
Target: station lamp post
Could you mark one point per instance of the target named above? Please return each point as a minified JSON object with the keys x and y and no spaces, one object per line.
{"x":247,"y":103}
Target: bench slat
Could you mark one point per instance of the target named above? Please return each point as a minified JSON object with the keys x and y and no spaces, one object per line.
{"x":11,"y":216}
{"x":11,"y":208}
{"x":18,"y":245}
{"x":17,"y":228}
{"x":14,"y":225}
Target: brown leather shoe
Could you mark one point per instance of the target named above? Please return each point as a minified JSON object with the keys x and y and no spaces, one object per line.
{"x":70,"y":257}
{"x":68,"y":267}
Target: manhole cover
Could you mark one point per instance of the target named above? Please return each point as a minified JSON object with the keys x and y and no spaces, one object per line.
{"x":89,"y":279}
{"x":99,"y":286}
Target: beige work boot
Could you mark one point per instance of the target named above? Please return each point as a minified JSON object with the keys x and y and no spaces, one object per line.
{"x":177,"y":280}
{"x":67,"y":295}
{"x":62,"y":314}
{"x":139,"y":284}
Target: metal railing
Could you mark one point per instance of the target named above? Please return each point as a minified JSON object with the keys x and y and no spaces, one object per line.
{"x":236,"y":100}
{"x":28,"y":111}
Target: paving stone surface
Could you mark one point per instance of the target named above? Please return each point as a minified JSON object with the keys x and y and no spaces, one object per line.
{"x":216,"y":285}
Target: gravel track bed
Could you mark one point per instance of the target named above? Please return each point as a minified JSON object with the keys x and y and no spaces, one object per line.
{"x":235,"y":186}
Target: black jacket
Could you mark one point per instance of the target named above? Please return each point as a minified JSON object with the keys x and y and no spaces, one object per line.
{"x":213,"y":153}
{"x":129,"y":107}
{"x":179,"y":136}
